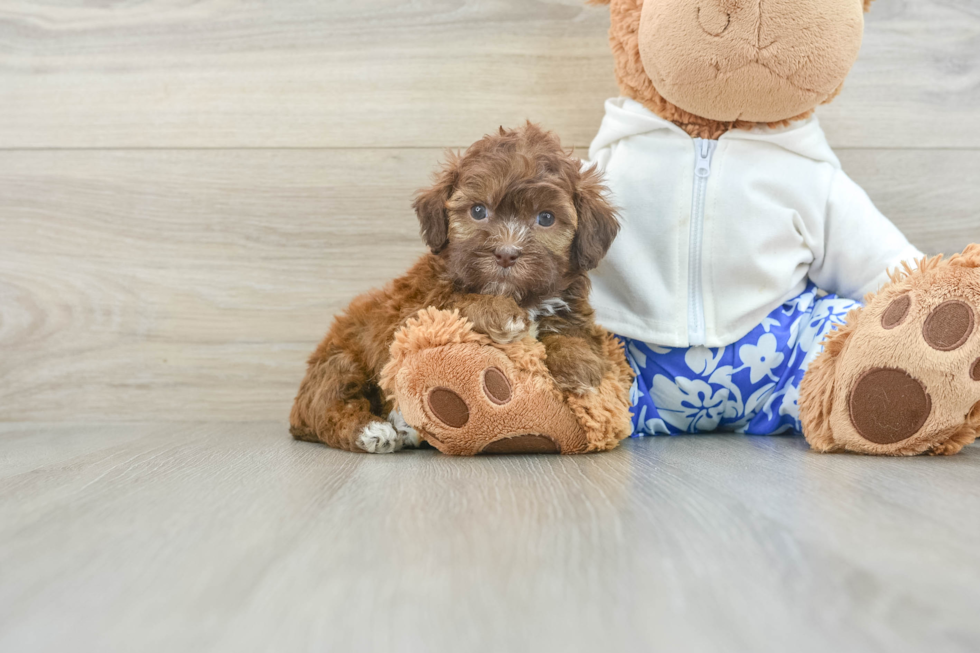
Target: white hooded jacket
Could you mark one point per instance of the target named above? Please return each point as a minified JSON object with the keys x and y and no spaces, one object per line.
{"x":717,"y":234}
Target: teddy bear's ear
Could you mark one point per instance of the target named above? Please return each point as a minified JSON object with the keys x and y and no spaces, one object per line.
{"x":430,"y":205}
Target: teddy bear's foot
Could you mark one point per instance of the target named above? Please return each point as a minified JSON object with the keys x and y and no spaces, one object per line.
{"x":902,"y":377}
{"x":467,"y":396}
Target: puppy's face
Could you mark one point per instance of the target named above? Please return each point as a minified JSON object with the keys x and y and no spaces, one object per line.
{"x":515,"y":215}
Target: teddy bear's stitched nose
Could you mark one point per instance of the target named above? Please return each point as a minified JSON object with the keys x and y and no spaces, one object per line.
{"x":716,"y":15}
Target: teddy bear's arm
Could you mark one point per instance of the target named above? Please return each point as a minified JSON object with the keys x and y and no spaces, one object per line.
{"x":856,"y":245}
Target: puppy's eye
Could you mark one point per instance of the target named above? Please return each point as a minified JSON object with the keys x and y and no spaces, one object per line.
{"x":546,"y":218}
{"x":479,"y":212}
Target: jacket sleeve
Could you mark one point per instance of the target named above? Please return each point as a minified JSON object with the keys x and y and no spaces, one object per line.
{"x":860,"y":245}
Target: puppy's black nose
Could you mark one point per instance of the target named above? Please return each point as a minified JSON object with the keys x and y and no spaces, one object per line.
{"x":506,"y":256}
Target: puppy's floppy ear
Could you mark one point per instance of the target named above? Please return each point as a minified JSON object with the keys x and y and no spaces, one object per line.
{"x":597,"y":223}
{"x":430,"y":205}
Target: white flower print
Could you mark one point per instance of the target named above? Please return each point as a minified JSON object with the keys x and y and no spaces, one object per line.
{"x":688,"y":404}
{"x":757,"y":398}
{"x":810,"y":355}
{"x":637,"y":355}
{"x":791,"y":402}
{"x":800,"y":304}
{"x":751,"y":406}
{"x":761,"y":358}
{"x":768,"y":323}
{"x":827,"y":313}
{"x":652,"y":426}
{"x":733,"y":403}
{"x":703,"y":361}
{"x":635,"y":393}
{"x":788,"y":401}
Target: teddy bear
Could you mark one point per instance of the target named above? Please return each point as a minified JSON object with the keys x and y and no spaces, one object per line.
{"x":754,"y":286}
{"x":466,"y":394}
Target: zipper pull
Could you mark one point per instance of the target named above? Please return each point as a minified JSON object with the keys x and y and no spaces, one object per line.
{"x":704,"y":150}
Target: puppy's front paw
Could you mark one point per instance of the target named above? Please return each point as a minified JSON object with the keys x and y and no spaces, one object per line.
{"x":499,"y":317}
{"x":380,"y":437}
{"x":515,"y":328}
{"x":508,"y":323}
{"x":410,"y":437}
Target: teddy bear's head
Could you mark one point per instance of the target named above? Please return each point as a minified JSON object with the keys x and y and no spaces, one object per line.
{"x":714,"y":65}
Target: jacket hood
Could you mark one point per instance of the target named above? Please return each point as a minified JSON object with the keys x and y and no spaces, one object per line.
{"x":625,"y":117}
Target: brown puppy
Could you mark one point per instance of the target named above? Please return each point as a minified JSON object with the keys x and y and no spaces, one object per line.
{"x":513,"y":225}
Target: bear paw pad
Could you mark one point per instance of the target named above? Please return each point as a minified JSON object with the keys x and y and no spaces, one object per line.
{"x":908,"y":374}
{"x":888,"y":406}
{"x":448,"y":407}
{"x":522,"y":444}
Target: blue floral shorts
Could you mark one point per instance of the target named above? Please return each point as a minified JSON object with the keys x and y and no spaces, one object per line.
{"x":751,"y":386}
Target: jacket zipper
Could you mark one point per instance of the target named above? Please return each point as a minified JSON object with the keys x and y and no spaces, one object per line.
{"x":704,"y":150}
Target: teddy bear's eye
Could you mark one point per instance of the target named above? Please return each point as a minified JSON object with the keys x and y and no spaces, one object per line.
{"x":546,"y":218}
{"x":479,"y":212}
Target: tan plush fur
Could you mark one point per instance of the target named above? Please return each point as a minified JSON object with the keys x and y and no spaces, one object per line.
{"x":864,"y":343}
{"x":440,"y":349}
{"x":514,"y":225}
{"x":766,"y":63}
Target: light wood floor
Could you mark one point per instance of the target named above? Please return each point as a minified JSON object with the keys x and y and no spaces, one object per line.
{"x":189,"y":537}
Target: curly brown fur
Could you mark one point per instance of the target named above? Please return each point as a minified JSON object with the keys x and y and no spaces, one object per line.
{"x":635,"y":83}
{"x":516,"y":175}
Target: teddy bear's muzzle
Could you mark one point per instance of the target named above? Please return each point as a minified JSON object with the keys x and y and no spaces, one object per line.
{"x":758,"y":61}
